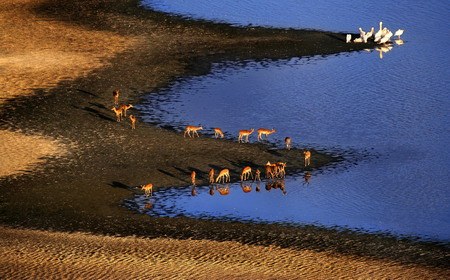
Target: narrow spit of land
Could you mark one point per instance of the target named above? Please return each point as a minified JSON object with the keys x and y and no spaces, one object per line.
{"x":61,"y":77}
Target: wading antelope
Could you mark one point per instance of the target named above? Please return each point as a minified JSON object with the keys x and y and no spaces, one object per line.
{"x":224,"y":176}
{"x":288,"y":142}
{"x":118,"y":113}
{"x":246,"y":173}
{"x":307,"y":155}
{"x":265,"y":131}
{"x":148,"y":189}
{"x":244,"y":134}
{"x":116,"y":94}
{"x":133,"y":122}
{"x":218,"y":132}
{"x":193,"y":174}
{"x":224,"y":190}
{"x":211,"y":176}
{"x":193,"y":129}
{"x":257,"y":175}
{"x":125,"y":108}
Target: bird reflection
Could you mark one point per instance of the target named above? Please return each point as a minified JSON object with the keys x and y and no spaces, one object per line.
{"x":399,"y":42}
{"x":383,"y":49}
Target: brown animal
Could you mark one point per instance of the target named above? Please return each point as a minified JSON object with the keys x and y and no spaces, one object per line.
{"x":244,"y":134}
{"x":116,"y":94}
{"x":257,"y":175}
{"x":224,"y":176}
{"x":211,"y":176}
{"x":307,"y":155}
{"x":133,"y":122}
{"x":246,"y":173}
{"x":288,"y":141}
{"x":118,"y":113}
{"x":218,"y":132}
{"x":125,"y":108}
{"x":193,"y":175}
{"x":265,"y":131}
{"x":148,"y":189}
{"x":279,"y":169}
{"x":193,"y":129}
{"x":270,"y":170}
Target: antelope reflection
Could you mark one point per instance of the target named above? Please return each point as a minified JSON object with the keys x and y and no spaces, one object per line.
{"x":307,"y":177}
{"x":246,"y":188}
{"x":276,"y":184}
{"x":224,"y":190}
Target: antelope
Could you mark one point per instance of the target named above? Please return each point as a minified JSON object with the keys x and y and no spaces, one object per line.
{"x":194,"y":130}
{"x":246,"y":173}
{"x":246,"y":188}
{"x":279,"y":169}
{"x":257,"y":175}
{"x":224,"y":176}
{"x":118,"y":113}
{"x":265,"y":131}
{"x":244,"y":134}
{"x":218,"y":132}
{"x":133,"y":122}
{"x":270,"y":170}
{"x":307,"y":155}
{"x":148,"y":189}
{"x":193,"y":174}
{"x":288,"y":142}
{"x":116,"y":94}
{"x":211,"y":176}
{"x":125,"y":108}
{"x":225,"y":190}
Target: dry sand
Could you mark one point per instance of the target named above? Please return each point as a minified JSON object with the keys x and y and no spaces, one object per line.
{"x":33,"y":254}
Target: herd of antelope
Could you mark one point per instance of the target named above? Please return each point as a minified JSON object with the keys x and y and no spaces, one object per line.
{"x":273,"y":171}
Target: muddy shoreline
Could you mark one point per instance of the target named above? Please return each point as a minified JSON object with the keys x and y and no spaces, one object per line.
{"x":85,"y":190}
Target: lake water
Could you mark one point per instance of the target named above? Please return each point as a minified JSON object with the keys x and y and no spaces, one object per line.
{"x":389,"y":117}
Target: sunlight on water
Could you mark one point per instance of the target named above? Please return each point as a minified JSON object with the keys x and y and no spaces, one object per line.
{"x":389,"y":117}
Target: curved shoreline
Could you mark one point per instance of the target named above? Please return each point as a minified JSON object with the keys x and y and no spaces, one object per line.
{"x":84,"y":192}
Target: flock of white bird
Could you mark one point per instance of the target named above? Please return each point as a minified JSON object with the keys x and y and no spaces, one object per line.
{"x":382,"y":36}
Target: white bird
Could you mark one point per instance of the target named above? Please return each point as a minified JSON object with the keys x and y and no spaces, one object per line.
{"x":349,"y":38}
{"x":358,"y":40}
{"x":370,"y":33}
{"x":386,"y":38}
{"x":361,"y":33}
{"x":378,"y":34}
{"x":399,"y":33}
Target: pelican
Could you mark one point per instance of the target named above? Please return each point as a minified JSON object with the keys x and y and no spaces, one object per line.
{"x":361,"y":33}
{"x":386,"y":38}
{"x":378,"y":34}
{"x":358,"y":40}
{"x":349,"y":38}
{"x":370,"y":33}
{"x":399,"y":33}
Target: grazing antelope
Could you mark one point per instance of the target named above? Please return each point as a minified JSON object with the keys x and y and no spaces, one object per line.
{"x":265,"y":131}
{"x":193,"y":174}
{"x":125,"y":108}
{"x":218,"y":132}
{"x":246,"y":188}
{"x":257,"y":175}
{"x":244,"y":134}
{"x":307,"y":155}
{"x":246,"y":173}
{"x":116,"y":94}
{"x":288,"y":142}
{"x":211,"y":176}
{"x":193,"y":129}
{"x":118,"y":113}
{"x":224,"y":190}
{"x":224,"y":176}
{"x":133,"y":122}
{"x":148,"y":189}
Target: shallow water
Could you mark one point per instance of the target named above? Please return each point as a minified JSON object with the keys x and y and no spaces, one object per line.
{"x":389,"y":117}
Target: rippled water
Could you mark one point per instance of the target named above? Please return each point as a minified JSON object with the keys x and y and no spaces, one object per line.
{"x":391,"y":113}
